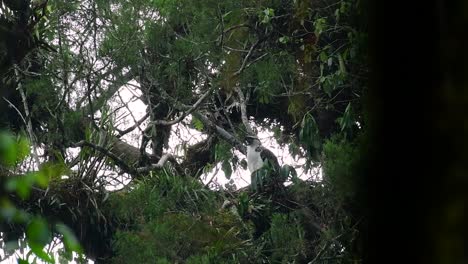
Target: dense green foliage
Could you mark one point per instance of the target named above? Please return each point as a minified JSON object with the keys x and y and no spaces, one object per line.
{"x":297,"y":68}
{"x":341,"y":163}
{"x":37,"y":230}
{"x":175,"y":220}
{"x":169,"y":219}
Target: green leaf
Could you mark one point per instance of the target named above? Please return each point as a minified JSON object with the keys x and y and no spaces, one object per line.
{"x":309,"y":135}
{"x":327,"y":84}
{"x":42,"y":179}
{"x":38,"y":232}
{"x":243,"y":206}
{"x":323,"y":56}
{"x":50,"y":171}
{"x":69,"y":239}
{"x":23,"y":187}
{"x":320,"y":25}
{"x":39,"y":251}
{"x":346,"y":121}
{"x":88,"y":133}
{"x":8,"y":149}
{"x":266,"y":15}
{"x":197,"y":124}
{"x":11,"y":185}
{"x":36,"y":32}
{"x":222,"y":151}
{"x":284,"y":39}
{"x":227,"y":169}
{"x":22,"y":184}
{"x":287,"y":170}
{"x":342,"y":65}
{"x":38,"y":235}
{"x":23,"y":149}
{"x":337,"y":14}
{"x":344,"y":7}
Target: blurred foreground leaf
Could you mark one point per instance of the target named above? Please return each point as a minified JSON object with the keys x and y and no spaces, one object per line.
{"x":69,"y":239}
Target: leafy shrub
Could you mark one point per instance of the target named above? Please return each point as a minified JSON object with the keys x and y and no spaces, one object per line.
{"x":340,"y":166}
{"x":177,"y":222}
{"x":286,"y":239}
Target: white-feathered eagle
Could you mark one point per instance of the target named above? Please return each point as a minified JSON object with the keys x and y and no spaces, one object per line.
{"x":258,"y":156}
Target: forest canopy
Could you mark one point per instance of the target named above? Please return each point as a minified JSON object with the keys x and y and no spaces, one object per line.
{"x":76,"y":164}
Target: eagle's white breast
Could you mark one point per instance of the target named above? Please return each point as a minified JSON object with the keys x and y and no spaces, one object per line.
{"x":254,"y":160}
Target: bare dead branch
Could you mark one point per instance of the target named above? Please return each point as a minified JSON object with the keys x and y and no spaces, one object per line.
{"x":246,"y":58}
{"x":130,"y":129}
{"x":162,"y":161}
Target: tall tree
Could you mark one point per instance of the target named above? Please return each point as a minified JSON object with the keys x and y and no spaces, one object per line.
{"x":224,"y":68}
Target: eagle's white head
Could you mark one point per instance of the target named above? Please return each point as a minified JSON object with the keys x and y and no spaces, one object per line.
{"x":254,"y":159}
{"x":252,"y":141}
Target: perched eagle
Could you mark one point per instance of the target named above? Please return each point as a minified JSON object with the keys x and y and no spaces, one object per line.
{"x":257,"y":156}
{"x":265,"y":180}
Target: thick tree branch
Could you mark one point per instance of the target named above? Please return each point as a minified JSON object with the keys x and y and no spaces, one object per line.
{"x":127,"y":157}
{"x":162,"y":161}
{"x":122,"y":164}
{"x":243,"y":107}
